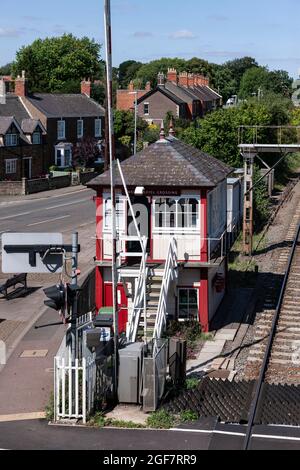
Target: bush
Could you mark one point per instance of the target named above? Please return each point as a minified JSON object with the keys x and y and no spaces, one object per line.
{"x":161,"y":420}
{"x":188,"y":416}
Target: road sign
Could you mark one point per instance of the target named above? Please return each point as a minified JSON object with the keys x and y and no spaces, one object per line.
{"x":20,"y":255}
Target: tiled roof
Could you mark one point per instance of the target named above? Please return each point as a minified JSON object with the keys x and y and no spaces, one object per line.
{"x":14,"y":107}
{"x":29,"y":125}
{"x":169,"y":163}
{"x":5,"y":123}
{"x":164,"y":91}
{"x":66,"y":105}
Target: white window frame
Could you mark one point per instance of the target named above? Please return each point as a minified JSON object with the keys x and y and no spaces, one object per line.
{"x":121,"y":201}
{"x":11,"y":140}
{"x":63,"y":157}
{"x":188,"y":307}
{"x":61,"y":129}
{"x":11,"y":166}
{"x":177,"y":229}
{"x":147,"y":104}
{"x":98,"y":127}
{"x":79,"y":128}
{"x":36,"y":133}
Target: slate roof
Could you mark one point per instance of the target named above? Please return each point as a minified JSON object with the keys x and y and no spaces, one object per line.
{"x":66,"y":105}
{"x":164,"y":91}
{"x":14,"y":107}
{"x":184,"y":93}
{"x":169,"y":163}
{"x":29,"y":125}
{"x":5,"y":123}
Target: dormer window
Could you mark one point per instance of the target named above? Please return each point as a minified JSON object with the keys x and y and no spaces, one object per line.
{"x":36,"y":138}
{"x":61,"y":130}
{"x":11,"y":140}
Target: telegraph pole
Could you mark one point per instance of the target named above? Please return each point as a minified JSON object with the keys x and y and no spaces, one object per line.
{"x":112,"y":160}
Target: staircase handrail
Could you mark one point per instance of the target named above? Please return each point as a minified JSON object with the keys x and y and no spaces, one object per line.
{"x":139,"y":299}
{"x":170,"y":276}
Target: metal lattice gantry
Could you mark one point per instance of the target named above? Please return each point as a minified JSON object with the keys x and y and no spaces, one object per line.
{"x":252,"y":143}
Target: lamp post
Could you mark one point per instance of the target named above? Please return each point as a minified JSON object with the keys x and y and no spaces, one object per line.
{"x":135,"y":119}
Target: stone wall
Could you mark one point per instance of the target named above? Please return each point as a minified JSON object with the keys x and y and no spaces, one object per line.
{"x":11,"y":188}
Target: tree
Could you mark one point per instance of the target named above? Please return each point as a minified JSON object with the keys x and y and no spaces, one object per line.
{"x":6,"y":69}
{"x":256,"y":78}
{"x":86,"y":152}
{"x":58,"y":64}
{"x":238,"y":67}
{"x":127,"y":72}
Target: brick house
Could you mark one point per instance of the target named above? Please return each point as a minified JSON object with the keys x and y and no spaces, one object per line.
{"x":126,"y":98}
{"x":22,"y":142}
{"x":63,"y":120}
{"x":186,"y":96}
{"x":181,"y":193}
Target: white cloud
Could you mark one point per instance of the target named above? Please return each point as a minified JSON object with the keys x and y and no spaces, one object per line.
{"x":143,"y":34}
{"x":9,"y":32}
{"x":182,"y":34}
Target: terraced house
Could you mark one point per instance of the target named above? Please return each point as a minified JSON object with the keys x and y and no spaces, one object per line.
{"x":41,"y":130}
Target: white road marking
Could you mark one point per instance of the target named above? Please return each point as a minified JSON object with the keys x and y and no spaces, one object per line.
{"x":227,"y":433}
{"x":66,"y":204}
{"x":49,"y":220}
{"x":16,"y":215}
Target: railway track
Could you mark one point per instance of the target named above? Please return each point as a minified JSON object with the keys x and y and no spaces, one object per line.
{"x":281,"y":359}
{"x":286,"y":343}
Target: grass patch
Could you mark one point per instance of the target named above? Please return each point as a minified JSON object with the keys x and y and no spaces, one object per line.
{"x":188,"y":416}
{"x":161,"y":420}
{"x":100,"y":421}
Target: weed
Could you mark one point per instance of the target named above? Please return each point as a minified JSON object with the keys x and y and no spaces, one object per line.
{"x":188,"y":416}
{"x":49,"y":409}
{"x":192,"y":383}
{"x":161,"y":420}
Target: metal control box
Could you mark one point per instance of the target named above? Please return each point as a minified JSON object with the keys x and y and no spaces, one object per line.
{"x":130,"y":373}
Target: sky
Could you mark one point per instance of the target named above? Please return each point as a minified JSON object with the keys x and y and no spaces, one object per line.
{"x":144,"y":30}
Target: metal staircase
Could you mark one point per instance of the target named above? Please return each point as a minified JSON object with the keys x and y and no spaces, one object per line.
{"x":148,"y":319}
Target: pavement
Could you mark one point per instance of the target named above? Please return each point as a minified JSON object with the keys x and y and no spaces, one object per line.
{"x":26,"y":382}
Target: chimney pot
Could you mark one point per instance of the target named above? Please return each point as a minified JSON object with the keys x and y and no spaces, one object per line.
{"x":183,"y":79}
{"x":172,"y":75}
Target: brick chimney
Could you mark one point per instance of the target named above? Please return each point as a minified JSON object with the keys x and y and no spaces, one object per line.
{"x":191,"y":80}
{"x":148,"y":87}
{"x":183,"y":79}
{"x":86,"y":87}
{"x":131,"y":86}
{"x":172,"y":75}
{"x":21,"y":85}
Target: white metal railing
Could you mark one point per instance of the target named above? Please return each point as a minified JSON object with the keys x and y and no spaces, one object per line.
{"x":170,"y":276}
{"x":140,"y":299}
{"x":216,"y":247}
{"x":74,"y":388}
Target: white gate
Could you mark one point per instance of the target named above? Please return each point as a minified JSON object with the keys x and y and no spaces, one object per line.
{"x":74,"y":388}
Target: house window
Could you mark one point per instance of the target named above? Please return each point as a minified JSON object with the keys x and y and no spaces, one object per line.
{"x":11,"y":166}
{"x":188,"y":308}
{"x":11,"y":140}
{"x":63,"y":157}
{"x":61,"y":130}
{"x":36,"y":138}
{"x":146,"y":109}
{"x":80,"y":129}
{"x":98,"y":127}
{"x":177,"y":214}
{"x":120,"y":214}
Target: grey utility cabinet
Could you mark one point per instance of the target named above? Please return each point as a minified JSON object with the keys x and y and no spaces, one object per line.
{"x":130,"y":373}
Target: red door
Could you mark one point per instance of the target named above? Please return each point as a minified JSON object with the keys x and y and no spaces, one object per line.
{"x":122,"y":304}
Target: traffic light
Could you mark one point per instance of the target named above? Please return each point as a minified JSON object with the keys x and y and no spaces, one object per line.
{"x":57,"y":297}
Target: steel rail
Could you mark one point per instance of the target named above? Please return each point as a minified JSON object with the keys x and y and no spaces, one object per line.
{"x":259,"y":386}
